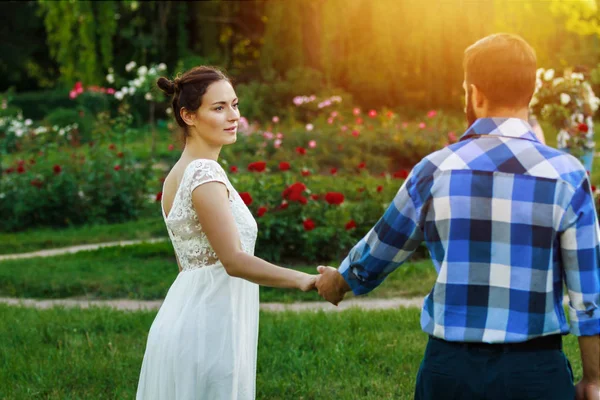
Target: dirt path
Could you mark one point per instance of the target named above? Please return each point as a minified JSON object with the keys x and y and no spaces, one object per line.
{"x":134,"y":305}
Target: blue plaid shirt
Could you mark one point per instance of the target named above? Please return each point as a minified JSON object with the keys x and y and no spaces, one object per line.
{"x":506,"y":220}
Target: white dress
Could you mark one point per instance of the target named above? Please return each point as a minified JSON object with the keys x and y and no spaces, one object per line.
{"x":202,"y":344}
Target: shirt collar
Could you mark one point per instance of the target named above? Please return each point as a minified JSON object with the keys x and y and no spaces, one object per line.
{"x":507,"y":127}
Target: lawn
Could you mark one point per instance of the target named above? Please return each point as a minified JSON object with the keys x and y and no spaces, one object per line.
{"x":146,"y":271}
{"x":97,"y":353}
{"x":42,"y":239}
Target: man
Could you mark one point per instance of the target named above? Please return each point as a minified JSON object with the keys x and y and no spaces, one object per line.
{"x":506,"y":220}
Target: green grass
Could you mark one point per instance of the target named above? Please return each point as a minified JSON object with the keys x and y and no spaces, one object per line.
{"x":97,"y":354}
{"x":41,"y":239}
{"x":146,"y":271}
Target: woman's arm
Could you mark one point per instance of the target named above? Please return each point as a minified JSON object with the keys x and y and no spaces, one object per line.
{"x":214,"y":213}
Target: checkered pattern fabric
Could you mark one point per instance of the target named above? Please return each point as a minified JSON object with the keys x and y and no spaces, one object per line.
{"x":507,"y":220}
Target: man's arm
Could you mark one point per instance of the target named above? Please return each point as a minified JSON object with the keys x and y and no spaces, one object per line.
{"x":385,"y":247}
{"x":580,"y":251}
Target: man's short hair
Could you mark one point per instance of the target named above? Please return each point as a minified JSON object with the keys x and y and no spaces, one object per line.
{"x":503,"y":67}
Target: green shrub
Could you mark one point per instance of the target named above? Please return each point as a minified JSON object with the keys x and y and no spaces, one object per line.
{"x":36,"y":105}
{"x":69,"y":188}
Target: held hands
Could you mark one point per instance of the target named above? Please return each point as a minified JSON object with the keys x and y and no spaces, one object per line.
{"x":331,"y":285}
{"x":307,"y":282}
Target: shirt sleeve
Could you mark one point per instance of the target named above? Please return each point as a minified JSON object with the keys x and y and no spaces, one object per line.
{"x":387,"y":245}
{"x":580,"y":251}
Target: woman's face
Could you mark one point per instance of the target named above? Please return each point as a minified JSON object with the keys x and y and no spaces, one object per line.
{"x":216,"y":120}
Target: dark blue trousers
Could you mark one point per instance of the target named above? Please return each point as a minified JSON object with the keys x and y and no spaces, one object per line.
{"x":454,"y":371}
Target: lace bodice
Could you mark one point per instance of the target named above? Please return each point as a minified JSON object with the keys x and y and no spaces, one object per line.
{"x":189,"y":241}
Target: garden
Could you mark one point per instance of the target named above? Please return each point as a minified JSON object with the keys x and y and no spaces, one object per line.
{"x":332,"y":124}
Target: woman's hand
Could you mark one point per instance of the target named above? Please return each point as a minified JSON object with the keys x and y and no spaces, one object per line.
{"x":307,"y":282}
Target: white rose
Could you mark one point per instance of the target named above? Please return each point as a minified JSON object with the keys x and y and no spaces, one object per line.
{"x":131,"y":90}
{"x":152,"y":71}
{"x":28,"y":122}
{"x":169,"y":111}
{"x":148,"y":96}
{"x":564,"y":99}
{"x":143,"y":70}
{"x":110,"y":78}
{"x":549,"y":74}
{"x":125,"y":90}
{"x":119,"y":95}
{"x":61,"y":132}
{"x":162,"y":67}
{"x":2,"y":195}
{"x":19,"y":132}
{"x":557,"y":81}
{"x":309,"y":127}
{"x":577,"y":76}
{"x":539,"y":72}
{"x":130,"y":66}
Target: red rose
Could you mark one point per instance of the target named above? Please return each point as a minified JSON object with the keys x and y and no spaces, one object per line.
{"x":262,"y":211}
{"x":334,"y":198}
{"x":20,"y":169}
{"x":294,"y":191}
{"x":402,"y":174}
{"x":372,"y":113}
{"x":362,"y":165}
{"x":359,"y":121}
{"x":294,"y":196}
{"x":390,"y":114}
{"x":117,"y":167}
{"x":284,"y":166}
{"x":583,"y":128}
{"x":171,"y":147}
{"x":379,"y":189}
{"x":37,"y":183}
{"x":301,"y":150}
{"x":21,"y":163}
{"x":120,"y":154}
{"x":257,"y":166}
{"x":360,"y":190}
{"x":159,"y":196}
{"x":233,"y":169}
{"x":57,"y":169}
{"x":112,"y":146}
{"x":246,"y":197}
{"x":314,"y":196}
{"x":305,"y":172}
{"x":284,"y":205}
{"x":593,"y":188}
{"x":309,"y":224}
{"x":303,"y":200}
{"x":333,"y":171}
{"x":355,"y":133}
{"x":350,"y":225}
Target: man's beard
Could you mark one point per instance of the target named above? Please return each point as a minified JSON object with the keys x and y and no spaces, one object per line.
{"x":471,"y":117}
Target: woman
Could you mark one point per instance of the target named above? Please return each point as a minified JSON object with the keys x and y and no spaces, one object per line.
{"x":202,"y":344}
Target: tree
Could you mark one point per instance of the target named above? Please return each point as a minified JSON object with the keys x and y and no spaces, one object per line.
{"x":79,"y":35}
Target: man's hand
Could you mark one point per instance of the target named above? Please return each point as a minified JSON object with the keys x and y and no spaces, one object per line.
{"x":587,"y":391}
{"x":331,"y":285}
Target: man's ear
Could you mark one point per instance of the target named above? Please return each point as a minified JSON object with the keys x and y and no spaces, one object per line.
{"x":477,"y":96}
{"x":188,"y":117}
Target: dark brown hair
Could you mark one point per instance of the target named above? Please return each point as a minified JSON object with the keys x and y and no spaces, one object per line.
{"x":503,"y":67}
{"x":188,"y":88}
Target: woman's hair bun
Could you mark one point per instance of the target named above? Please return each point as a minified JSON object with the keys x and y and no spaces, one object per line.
{"x":166,"y":85}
